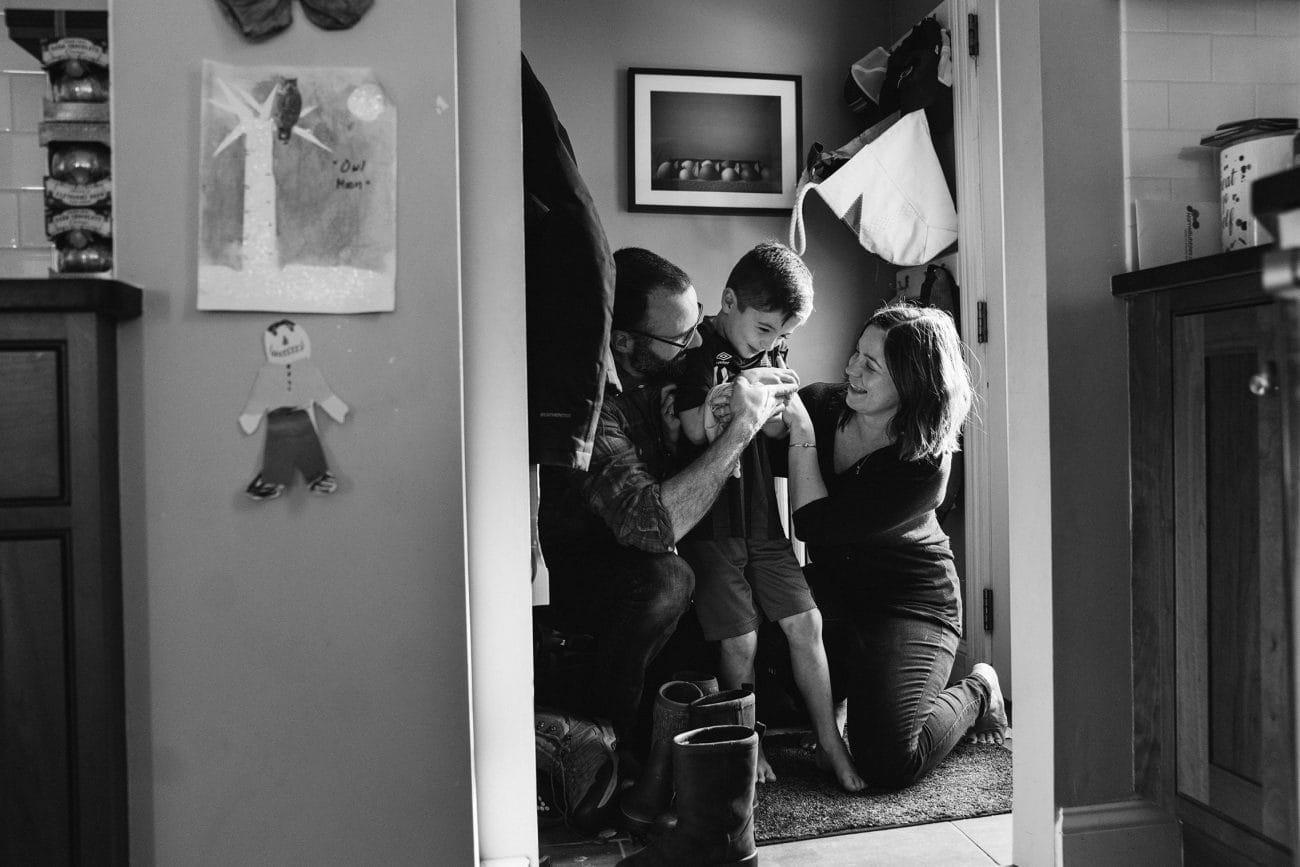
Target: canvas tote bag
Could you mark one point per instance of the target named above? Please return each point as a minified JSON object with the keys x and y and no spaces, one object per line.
{"x":891,"y":193}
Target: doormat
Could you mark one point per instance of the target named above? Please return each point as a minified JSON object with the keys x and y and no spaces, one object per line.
{"x":974,"y":780}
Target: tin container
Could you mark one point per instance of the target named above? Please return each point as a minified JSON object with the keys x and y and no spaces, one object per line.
{"x":1249,"y":150}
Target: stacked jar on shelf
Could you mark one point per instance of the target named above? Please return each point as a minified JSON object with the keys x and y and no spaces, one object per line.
{"x":75,"y":133}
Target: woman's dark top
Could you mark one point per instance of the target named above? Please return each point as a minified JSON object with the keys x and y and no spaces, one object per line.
{"x":875,"y":537}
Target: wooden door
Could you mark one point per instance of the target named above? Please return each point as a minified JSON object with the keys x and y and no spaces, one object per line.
{"x":62,"y":755}
{"x":1231,"y":632}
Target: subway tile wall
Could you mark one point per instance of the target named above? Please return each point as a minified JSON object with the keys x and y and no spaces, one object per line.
{"x":1190,"y":65}
{"x":24,"y":249}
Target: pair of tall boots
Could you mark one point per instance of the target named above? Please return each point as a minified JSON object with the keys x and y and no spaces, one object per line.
{"x":706,"y":748}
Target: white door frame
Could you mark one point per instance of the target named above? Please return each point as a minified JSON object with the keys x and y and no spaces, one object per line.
{"x":1016,"y":415}
{"x":487,"y":109}
{"x":980,"y":490}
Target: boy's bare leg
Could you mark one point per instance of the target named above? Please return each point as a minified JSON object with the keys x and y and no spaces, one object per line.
{"x":736,"y":667}
{"x":812,"y":675}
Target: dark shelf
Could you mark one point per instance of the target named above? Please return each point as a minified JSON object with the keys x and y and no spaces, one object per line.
{"x":1217,"y":267}
{"x":111,"y":298}
{"x":28,"y":27}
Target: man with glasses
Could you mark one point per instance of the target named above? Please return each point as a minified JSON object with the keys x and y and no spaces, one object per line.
{"x":610,"y":535}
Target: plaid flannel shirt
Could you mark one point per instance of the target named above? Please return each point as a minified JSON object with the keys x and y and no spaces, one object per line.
{"x":629,"y":461}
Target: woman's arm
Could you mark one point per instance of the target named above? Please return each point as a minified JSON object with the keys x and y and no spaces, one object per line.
{"x":891,"y":494}
{"x":806,"y":482}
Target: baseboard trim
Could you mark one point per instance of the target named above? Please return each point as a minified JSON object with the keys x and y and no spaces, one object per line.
{"x":1119,"y":834}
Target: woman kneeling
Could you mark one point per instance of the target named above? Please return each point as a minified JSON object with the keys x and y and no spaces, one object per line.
{"x":869,"y":463}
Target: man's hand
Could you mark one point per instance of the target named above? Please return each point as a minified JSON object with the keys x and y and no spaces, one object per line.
{"x":688,"y":495}
{"x":755,"y":403}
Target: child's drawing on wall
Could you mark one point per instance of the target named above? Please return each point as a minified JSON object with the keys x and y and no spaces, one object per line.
{"x":297,"y":198}
{"x":286,"y":391}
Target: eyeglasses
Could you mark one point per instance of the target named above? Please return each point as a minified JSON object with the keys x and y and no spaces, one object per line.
{"x":682,"y":345}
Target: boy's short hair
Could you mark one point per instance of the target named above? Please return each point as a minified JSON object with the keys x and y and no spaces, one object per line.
{"x":637,"y":274}
{"x":771,"y":276}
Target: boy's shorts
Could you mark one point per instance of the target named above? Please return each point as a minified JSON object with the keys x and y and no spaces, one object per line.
{"x":730,"y":573}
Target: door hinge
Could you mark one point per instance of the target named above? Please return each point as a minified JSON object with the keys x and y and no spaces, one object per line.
{"x":973,"y":34}
{"x":988,"y":609}
{"x":981,"y":322}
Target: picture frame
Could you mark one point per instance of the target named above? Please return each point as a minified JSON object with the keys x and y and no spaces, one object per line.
{"x":713,"y":142}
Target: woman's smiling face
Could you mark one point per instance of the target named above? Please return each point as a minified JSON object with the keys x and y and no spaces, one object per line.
{"x":871,"y":388}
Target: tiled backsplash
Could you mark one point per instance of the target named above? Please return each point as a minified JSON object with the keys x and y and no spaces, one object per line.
{"x":1190,"y":65}
{"x":24,"y":250}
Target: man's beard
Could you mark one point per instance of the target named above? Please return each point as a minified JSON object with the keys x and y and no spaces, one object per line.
{"x":647,"y":365}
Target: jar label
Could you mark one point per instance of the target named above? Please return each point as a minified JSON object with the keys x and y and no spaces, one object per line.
{"x":61,"y":194}
{"x":82,"y":219}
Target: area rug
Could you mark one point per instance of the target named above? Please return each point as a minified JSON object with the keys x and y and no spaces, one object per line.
{"x":974,"y":780}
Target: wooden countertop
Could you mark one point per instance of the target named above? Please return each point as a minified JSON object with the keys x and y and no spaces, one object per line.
{"x":1217,"y":267}
{"x":111,"y":298}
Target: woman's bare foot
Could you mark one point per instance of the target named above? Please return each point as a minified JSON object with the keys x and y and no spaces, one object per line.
{"x":765,"y":773}
{"x":835,"y":760}
{"x":991,"y":727}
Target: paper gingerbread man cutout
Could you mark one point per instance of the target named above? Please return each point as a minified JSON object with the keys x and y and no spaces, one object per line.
{"x":286,"y":390}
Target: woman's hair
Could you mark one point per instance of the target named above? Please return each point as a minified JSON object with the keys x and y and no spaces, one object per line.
{"x":924,"y":358}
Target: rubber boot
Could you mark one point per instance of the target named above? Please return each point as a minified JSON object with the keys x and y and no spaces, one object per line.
{"x":729,"y":707}
{"x":653,"y":790}
{"x":714,"y":768}
{"x":726,"y":708}
{"x":707,"y":683}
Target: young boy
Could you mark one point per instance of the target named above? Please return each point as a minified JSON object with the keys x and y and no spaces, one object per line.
{"x":744,"y":566}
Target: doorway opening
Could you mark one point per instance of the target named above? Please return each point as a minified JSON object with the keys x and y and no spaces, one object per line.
{"x":585,"y":85}
{"x":1010,"y":110}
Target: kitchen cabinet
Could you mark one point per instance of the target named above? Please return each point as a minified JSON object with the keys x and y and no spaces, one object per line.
{"x":1212,"y":714}
{"x":62,"y":747}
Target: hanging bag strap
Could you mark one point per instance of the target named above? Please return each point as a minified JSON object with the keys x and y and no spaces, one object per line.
{"x":798,"y":237}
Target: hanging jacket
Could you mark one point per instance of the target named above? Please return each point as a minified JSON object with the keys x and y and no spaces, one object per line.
{"x":569,"y":288}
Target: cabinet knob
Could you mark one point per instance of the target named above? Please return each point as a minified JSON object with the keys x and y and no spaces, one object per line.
{"x":1262,"y":383}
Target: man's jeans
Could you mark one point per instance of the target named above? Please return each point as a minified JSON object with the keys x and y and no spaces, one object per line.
{"x":630,"y":601}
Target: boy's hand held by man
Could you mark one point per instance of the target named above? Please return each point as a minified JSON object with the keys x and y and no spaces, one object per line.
{"x":783,"y":378}
{"x":720,"y":404}
{"x":755,"y":403}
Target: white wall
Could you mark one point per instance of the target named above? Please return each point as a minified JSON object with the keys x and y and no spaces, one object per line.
{"x":581,"y":50}
{"x":297,"y":669}
{"x":1088,"y":379}
{"x":1190,"y":66}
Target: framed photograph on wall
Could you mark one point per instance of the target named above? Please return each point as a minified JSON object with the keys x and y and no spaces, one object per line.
{"x":713,"y":142}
